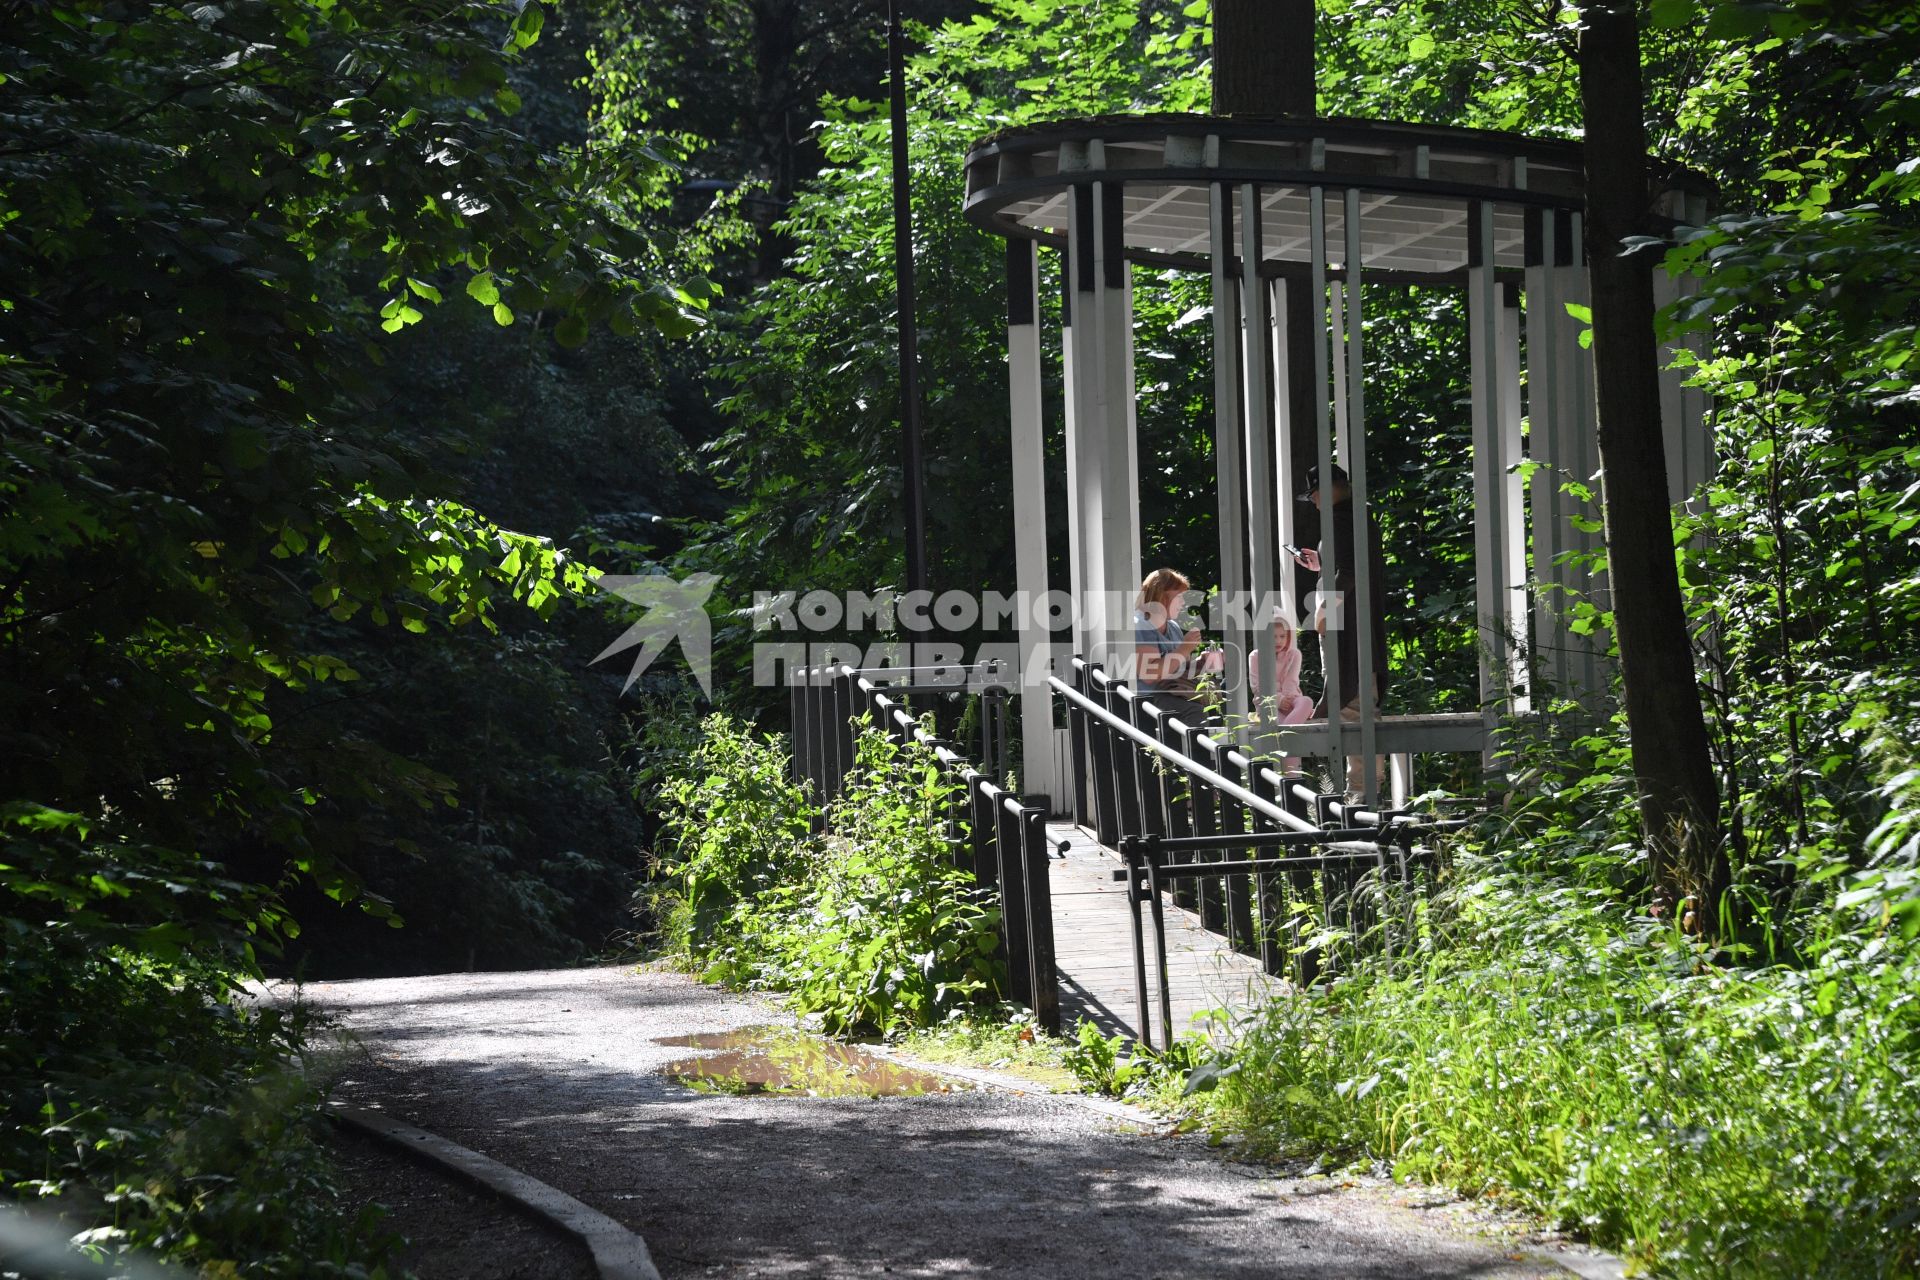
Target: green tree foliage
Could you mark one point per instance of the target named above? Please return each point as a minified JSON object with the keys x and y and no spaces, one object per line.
{"x":809,"y":450}
{"x":218,"y":222}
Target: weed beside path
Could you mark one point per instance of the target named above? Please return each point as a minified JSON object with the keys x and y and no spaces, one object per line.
{"x":556,"y":1073}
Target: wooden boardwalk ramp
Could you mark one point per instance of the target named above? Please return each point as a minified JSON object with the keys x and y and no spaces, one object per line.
{"x":1093,"y":947}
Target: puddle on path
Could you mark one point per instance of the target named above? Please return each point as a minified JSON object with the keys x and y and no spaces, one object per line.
{"x":755,"y":1060}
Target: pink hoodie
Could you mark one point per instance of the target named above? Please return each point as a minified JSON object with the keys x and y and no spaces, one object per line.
{"x":1286,"y":673}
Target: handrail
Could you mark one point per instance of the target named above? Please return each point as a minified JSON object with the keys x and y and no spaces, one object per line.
{"x":1187,"y":764}
{"x":941,"y":752}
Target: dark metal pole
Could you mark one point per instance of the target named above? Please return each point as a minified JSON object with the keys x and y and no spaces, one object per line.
{"x":911,"y":468}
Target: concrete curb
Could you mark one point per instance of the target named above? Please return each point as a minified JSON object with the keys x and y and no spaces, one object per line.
{"x":618,"y":1254}
{"x":1590,"y":1264}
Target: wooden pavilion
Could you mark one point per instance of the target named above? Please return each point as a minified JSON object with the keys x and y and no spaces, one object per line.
{"x":1330,"y":207}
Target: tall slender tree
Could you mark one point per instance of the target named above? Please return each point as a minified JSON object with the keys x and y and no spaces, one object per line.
{"x":1679,"y":802}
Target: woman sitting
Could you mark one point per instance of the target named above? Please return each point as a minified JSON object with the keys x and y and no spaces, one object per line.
{"x":1164,"y":665}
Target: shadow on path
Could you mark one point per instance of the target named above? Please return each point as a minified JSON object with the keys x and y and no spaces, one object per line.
{"x":561,"y":1080}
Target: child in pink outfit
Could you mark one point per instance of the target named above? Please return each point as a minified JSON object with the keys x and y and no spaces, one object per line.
{"x":1290,"y":705}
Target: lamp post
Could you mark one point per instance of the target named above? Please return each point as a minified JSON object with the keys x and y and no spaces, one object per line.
{"x":914,"y":498}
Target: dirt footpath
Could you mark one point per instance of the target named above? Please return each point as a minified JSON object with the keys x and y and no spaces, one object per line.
{"x":556,"y":1073}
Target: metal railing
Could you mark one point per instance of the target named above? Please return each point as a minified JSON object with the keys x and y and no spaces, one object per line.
{"x":1286,"y":874}
{"x":999,"y":836}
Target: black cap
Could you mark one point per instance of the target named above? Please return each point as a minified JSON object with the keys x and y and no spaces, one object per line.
{"x":1313,"y":481}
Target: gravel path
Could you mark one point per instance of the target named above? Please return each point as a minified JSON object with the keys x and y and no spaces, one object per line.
{"x":555,"y":1073}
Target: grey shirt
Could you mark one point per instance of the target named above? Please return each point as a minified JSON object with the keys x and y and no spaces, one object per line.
{"x":1167,"y":639}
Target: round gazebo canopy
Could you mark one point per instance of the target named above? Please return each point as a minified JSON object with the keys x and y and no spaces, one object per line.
{"x":1292,"y":219}
{"x":1422,"y":186}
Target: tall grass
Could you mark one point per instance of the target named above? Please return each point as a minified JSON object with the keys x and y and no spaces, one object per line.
{"x":1550,"y":1048}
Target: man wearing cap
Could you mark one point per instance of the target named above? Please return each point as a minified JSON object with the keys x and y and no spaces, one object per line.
{"x":1345,"y":581}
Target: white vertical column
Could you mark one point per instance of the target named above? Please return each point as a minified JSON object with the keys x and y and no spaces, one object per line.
{"x":1257,"y":346}
{"x":1361,"y":610}
{"x":1085,"y":448}
{"x":1119,"y":539}
{"x":1228,"y":433}
{"x":1583,"y":424}
{"x":1546,"y":319}
{"x":1683,"y":409}
{"x":1286,"y":484}
{"x":1489,"y":542}
{"x":1029,"y":514}
{"x":1513,"y":524}
{"x":1665,"y":290}
{"x":1329,"y":547}
{"x":1130,"y":395}
{"x":1337,"y":305}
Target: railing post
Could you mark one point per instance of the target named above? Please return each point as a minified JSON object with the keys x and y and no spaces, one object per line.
{"x":1078,"y":749}
{"x":981,"y":834}
{"x":1102,"y":740}
{"x":828,"y":786}
{"x":1130,"y":852}
{"x":1179,"y":791}
{"x":1039,"y":913}
{"x":797,"y":725}
{"x":1149,"y":817}
{"x":1208,"y":820}
{"x":817,"y":769}
{"x":1233,"y":820}
{"x":841,"y":701}
{"x":1003,"y":716}
{"x":1012,"y":867}
{"x":1268,"y":888}
{"x":985,"y":761}
{"x":1126,"y":760}
{"x":1153,"y":856}
{"x":1306,"y":963}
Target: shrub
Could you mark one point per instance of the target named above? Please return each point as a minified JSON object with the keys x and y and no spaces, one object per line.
{"x":737,"y":828}
{"x":890,"y":933}
{"x":156,"y":1106}
{"x":872,"y":926}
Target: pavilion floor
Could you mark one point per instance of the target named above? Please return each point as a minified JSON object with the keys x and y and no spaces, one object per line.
{"x":1093,"y":947}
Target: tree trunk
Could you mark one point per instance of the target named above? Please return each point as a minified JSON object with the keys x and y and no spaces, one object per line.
{"x":1263,"y":58}
{"x":776,"y":42}
{"x":1679,"y":804}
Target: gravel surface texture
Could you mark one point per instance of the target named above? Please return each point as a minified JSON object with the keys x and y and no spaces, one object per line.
{"x":556,"y":1073}
{"x":452,"y":1231}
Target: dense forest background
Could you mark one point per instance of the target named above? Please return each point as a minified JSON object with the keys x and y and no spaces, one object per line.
{"x":341,"y":344}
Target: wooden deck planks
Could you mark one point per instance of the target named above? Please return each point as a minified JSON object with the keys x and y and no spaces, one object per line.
{"x":1093,"y":946}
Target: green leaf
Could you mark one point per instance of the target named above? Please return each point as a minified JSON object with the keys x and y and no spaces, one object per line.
{"x":482,"y":289}
{"x":424,"y":289}
{"x":526,"y":27}
{"x":502,"y":314}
